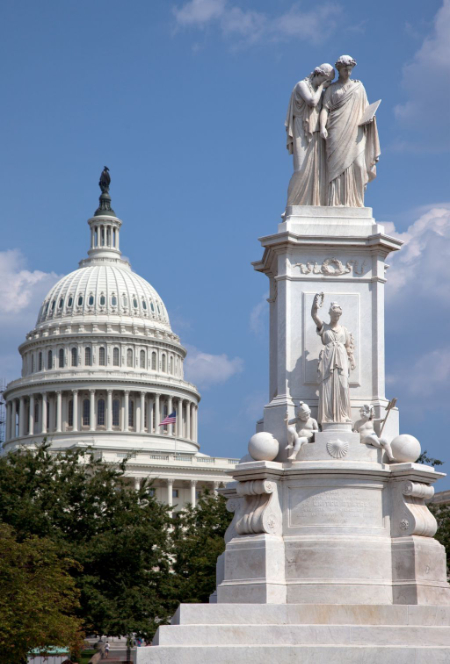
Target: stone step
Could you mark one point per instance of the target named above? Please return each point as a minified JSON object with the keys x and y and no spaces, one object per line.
{"x":294,"y":635}
{"x":311,"y":614}
{"x":306,"y":654}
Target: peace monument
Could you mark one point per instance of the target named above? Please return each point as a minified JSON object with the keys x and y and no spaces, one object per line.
{"x":331,"y":555}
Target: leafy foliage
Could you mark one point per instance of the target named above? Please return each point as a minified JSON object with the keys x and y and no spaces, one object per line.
{"x":442,"y":514}
{"x":118,"y":536}
{"x":429,"y":461}
{"x":198,"y":540}
{"x":38,"y":597}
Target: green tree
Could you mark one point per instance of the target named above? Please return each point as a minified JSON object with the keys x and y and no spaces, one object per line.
{"x":198,"y":540}
{"x":118,"y":536}
{"x":38,"y":597}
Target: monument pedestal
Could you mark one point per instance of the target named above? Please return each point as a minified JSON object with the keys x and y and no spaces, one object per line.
{"x":331,"y":557}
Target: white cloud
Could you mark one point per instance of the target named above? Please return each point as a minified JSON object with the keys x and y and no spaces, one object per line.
{"x":418,"y":309}
{"x":21,"y":295}
{"x":204,"y":369}
{"x":259,"y":316}
{"x":246,"y":26}
{"x":425,"y":81}
{"x":422,"y":268}
{"x":428,"y":378}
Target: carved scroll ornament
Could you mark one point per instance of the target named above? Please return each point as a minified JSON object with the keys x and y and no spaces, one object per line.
{"x":257,"y":510}
{"x":416,"y":517}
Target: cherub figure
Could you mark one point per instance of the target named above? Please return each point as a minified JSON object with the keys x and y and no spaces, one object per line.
{"x":306,"y":433}
{"x":366,"y":429}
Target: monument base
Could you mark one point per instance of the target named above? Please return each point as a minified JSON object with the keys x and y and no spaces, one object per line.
{"x":306,"y":633}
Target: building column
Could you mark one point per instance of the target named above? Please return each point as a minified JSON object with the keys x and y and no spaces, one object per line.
{"x":157,"y":413}
{"x":58,"y":411}
{"x":92,"y":410}
{"x":44,"y":413}
{"x":169,"y":411}
{"x":150,"y":415}
{"x":137,"y":483}
{"x":193,"y":493}
{"x":21,"y":416}
{"x":180,"y":418}
{"x":31,"y":417}
{"x":126,"y":408}
{"x":108,"y":410}
{"x":142,"y":412}
{"x":215,"y":487}
{"x":75,"y":410}
{"x":8,"y":421}
{"x":14,"y":419}
{"x":170,"y":492}
{"x":188,"y":420}
{"x":194,"y":423}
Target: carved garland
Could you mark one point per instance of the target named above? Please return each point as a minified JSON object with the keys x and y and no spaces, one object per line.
{"x":331,"y":267}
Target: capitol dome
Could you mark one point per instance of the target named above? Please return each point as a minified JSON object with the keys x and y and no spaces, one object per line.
{"x":102,"y":366}
{"x":104,"y":291}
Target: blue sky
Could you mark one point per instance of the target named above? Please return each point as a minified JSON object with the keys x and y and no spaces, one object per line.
{"x":185,"y":102}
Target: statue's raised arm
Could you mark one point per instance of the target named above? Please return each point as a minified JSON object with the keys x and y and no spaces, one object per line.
{"x":317,"y":303}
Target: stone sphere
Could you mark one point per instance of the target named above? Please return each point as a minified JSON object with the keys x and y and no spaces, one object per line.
{"x":405,"y":448}
{"x":263,"y":446}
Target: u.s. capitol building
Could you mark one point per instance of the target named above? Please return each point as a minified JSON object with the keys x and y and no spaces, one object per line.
{"x":103,"y":368}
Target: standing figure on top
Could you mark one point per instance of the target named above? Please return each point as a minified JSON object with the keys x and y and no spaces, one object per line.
{"x":352,"y":148}
{"x":308,"y":183}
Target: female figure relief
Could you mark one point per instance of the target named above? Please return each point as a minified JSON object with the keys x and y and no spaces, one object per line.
{"x":308,"y":183}
{"x":335,"y":362}
{"x":352,"y":149}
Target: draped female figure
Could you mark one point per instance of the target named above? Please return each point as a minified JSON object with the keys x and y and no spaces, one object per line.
{"x":352,"y":149}
{"x":308,"y":183}
{"x":335,"y":362}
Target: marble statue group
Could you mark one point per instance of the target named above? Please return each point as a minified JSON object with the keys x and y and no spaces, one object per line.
{"x":333,"y":137}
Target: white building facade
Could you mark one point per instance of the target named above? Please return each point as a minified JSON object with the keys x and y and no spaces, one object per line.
{"x":103,"y":368}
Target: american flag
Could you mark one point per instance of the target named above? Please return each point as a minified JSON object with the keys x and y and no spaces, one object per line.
{"x":170,"y":419}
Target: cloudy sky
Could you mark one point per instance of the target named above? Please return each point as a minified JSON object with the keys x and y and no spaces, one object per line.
{"x":185,"y":102}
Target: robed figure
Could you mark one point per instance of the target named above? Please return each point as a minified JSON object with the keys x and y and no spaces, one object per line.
{"x":303,"y":141}
{"x":352,"y":148}
{"x":335,"y":362}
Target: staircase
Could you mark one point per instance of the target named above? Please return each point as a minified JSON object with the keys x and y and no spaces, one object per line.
{"x":302,"y":633}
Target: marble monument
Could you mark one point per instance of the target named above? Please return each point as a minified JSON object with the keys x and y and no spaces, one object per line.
{"x":330,"y":555}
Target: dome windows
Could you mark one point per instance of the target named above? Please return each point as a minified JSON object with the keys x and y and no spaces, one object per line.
{"x":114,"y":300}
{"x":80,"y":300}
{"x":61,"y":303}
{"x":102,"y":300}
{"x":116,"y":357}
{"x":50,"y":359}
{"x":101,"y":413}
{"x":129,"y":357}
{"x":144,"y":305}
{"x":40,"y":362}
{"x":159,"y":310}
{"x":152,"y":307}
{"x":74,"y":355}
{"x":154,"y":361}
{"x":91,"y":300}
{"x":115,"y":413}
{"x":87,"y":357}
{"x":102,"y":356}
{"x":135,"y":302}
{"x":53,"y":305}
{"x":142,"y":359}
{"x":124,"y":300}
{"x":61,"y":358}
{"x":70,"y":413}
{"x":70,"y":302}
{"x":86,"y":413}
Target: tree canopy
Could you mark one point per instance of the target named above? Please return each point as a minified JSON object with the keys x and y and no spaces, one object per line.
{"x":119,"y":537}
{"x":38,"y":597}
